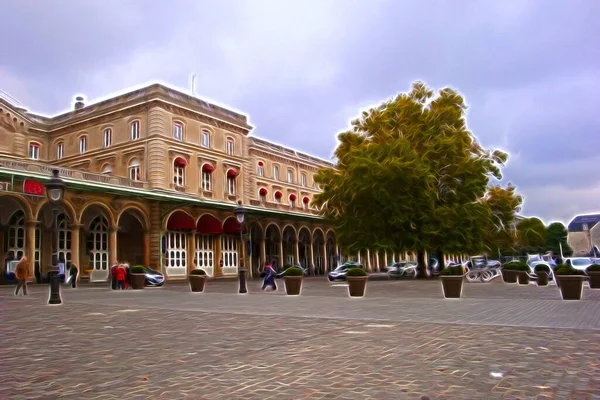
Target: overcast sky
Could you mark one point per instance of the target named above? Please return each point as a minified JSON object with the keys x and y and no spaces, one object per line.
{"x":301,"y":69}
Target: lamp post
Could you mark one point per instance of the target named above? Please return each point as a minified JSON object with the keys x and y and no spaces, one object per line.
{"x":240,"y":214}
{"x":55,"y":190}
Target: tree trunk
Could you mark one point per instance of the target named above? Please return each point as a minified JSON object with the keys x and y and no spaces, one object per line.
{"x":421,"y":265}
{"x":440,"y":257}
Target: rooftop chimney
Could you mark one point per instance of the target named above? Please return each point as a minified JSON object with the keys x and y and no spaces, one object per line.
{"x":79,"y":104}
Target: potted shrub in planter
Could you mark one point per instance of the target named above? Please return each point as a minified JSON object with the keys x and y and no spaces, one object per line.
{"x":593,"y":271}
{"x":542,"y":272}
{"x":138,"y":277}
{"x":197,"y":279}
{"x":523,"y":273}
{"x":452,"y":281}
{"x":293,"y":280}
{"x":570,"y":282}
{"x":509,"y":272}
{"x":357,"y":282}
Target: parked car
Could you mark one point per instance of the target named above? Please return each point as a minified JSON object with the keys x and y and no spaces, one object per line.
{"x":579,"y":263}
{"x":153,"y":277}
{"x":339,"y":274}
{"x":402,"y":268}
{"x":534,"y":260}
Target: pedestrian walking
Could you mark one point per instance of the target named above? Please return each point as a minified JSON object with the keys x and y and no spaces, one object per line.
{"x":22,"y":274}
{"x":269,"y":278}
{"x":121,"y":275}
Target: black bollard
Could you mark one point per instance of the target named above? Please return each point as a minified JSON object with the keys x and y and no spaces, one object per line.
{"x":54,"y":288}
{"x":242,"y":277}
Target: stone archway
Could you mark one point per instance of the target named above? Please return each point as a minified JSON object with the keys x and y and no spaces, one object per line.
{"x":98,"y":239}
{"x":289,"y":240}
{"x":131,"y":242}
{"x":304,"y":242}
{"x":14,"y":238}
{"x":174,"y":244}
{"x":272,"y":246}
{"x":256,"y":252}
{"x":319,"y":251}
{"x":208,"y":229}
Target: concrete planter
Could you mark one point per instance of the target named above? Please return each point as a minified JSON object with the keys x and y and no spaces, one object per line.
{"x":542,"y":278}
{"x":594,"y":279}
{"x":357,"y":285}
{"x":523,"y":277}
{"x":452,"y":285}
{"x":197,"y":283}
{"x":138,"y":281}
{"x":571,"y":286}
{"x":293,"y":285}
{"x":509,"y":276}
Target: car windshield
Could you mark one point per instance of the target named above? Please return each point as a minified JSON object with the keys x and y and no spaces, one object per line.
{"x":581,"y":262}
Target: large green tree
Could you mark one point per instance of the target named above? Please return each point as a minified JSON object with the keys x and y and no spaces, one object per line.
{"x":411,"y":176}
{"x":556,"y":235}
{"x":531,"y":236}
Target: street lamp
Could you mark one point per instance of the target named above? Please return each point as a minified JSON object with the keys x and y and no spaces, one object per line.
{"x":55,"y":190}
{"x":240,"y":214}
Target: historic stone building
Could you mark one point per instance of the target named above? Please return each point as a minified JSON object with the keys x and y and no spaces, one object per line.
{"x":153,"y":177}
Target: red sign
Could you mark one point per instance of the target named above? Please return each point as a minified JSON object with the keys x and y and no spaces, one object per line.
{"x":33,"y":187}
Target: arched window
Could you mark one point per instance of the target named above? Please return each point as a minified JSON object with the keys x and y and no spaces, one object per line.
{"x":82,"y":144}
{"x":207,"y":170}
{"x":303,"y":179}
{"x":277,"y":196}
{"x":179,"y":165}
{"x":107,"y":169}
{"x":34,"y":151}
{"x":305,"y":203}
{"x":260,"y":169}
{"x":229,"y":146}
{"x":231,"y":181}
{"x":178,"y":131}
{"x":292,"y":199}
{"x":290,"y":176}
{"x":262,"y":194}
{"x":135,"y":130}
{"x":135,"y":170}
{"x":107,"y":137}
{"x":60,"y":151}
{"x":205,"y":138}
{"x":276,"y":172}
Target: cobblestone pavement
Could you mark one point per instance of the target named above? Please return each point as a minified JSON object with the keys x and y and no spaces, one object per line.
{"x":166,"y":343}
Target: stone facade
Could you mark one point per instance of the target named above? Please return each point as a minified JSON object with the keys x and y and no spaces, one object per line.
{"x":153,"y":177}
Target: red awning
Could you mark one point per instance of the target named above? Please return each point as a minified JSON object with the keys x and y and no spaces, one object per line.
{"x":209,"y":225}
{"x":260,"y":164}
{"x":207,"y":168}
{"x":306,"y":200}
{"x":263,"y":192}
{"x":181,"y":221}
{"x":292,"y":197}
{"x":180,"y":162}
{"x":278,"y":195}
{"x":232,"y":173}
{"x":231,"y":226}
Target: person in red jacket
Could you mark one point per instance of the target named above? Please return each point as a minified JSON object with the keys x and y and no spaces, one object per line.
{"x":121,"y":275}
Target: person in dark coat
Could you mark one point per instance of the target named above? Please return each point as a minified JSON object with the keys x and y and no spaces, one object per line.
{"x":269,"y":278}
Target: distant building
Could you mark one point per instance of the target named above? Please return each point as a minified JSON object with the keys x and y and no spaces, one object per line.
{"x":584,"y":233}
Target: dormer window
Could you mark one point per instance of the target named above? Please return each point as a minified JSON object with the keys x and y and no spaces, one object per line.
{"x":229,"y":146}
{"x":178,"y":131}
{"x":107,"y":137}
{"x":34,"y":151}
{"x":205,"y":138}
{"x":303,"y":180}
{"x":290,"y":176}
{"x":275,"y":172}
{"x":260,"y":169}
{"x":82,"y":144}
{"x":135,"y":130}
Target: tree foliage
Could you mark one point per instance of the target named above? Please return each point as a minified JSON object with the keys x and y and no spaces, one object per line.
{"x":556,"y":234}
{"x":411,"y":176}
{"x":531,"y":236}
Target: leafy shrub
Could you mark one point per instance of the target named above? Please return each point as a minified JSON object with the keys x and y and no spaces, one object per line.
{"x":515,"y":266}
{"x":567,"y":270}
{"x":356,"y":272}
{"x":138,"y":269}
{"x":541,"y":268}
{"x":453,"y":270}
{"x":593,"y":268}
{"x":293,"y":271}
{"x":198,"y":271}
